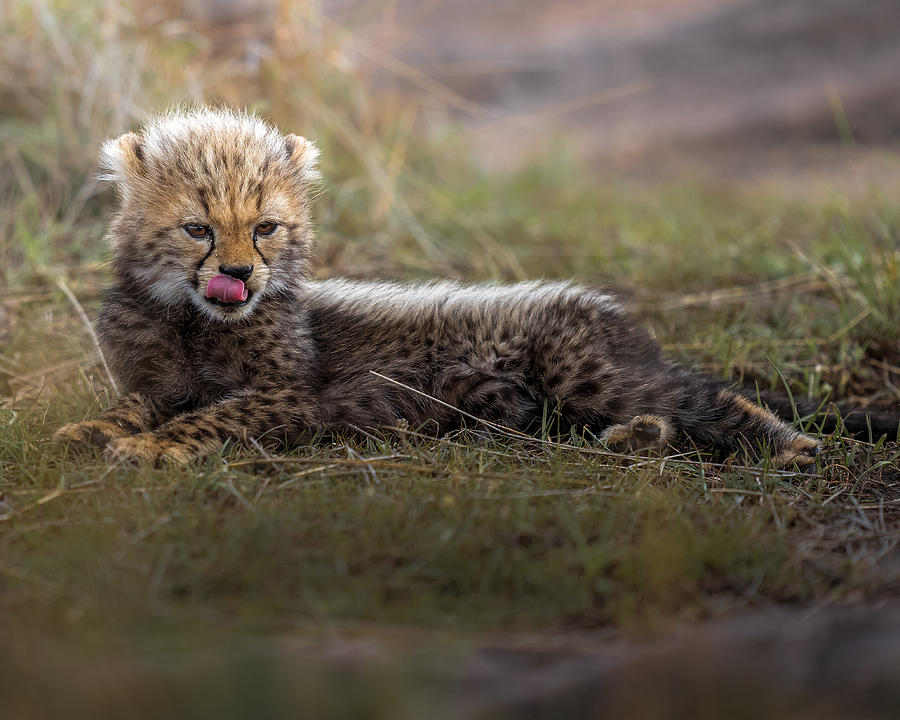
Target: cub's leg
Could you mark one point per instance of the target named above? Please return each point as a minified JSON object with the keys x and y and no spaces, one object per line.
{"x":608,"y":374}
{"x":489,"y":383}
{"x":717,"y":417}
{"x":710,"y":417}
{"x":130,"y":414}
{"x":200,"y":432}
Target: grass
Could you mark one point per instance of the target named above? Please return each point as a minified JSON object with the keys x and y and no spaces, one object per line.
{"x":206,"y":568}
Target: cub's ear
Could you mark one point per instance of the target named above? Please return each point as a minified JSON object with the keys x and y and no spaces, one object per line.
{"x":302,"y":154}
{"x":122,"y":158}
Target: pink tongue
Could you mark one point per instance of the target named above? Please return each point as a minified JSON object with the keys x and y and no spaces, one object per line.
{"x":226,"y":288}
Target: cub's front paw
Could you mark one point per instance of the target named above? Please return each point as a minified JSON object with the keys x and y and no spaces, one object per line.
{"x":146,"y":449}
{"x":82,"y":435}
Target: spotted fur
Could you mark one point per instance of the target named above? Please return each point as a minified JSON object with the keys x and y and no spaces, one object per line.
{"x":296,"y":357}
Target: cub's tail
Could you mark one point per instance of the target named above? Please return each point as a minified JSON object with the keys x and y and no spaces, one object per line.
{"x":861,"y":423}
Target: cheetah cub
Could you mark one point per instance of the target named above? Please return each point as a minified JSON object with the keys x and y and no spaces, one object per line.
{"x":214,"y":333}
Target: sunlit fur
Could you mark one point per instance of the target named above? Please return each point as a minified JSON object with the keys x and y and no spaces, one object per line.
{"x":299,"y":356}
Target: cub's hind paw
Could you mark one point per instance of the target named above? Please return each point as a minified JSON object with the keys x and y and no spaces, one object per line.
{"x":801,"y":452}
{"x":91,"y":433}
{"x":147,"y":449}
{"x":641,"y":432}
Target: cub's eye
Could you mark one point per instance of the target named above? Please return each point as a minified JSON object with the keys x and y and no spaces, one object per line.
{"x":197,"y":231}
{"x":265,"y":228}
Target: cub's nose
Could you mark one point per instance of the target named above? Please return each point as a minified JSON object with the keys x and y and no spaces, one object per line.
{"x":241,"y":272}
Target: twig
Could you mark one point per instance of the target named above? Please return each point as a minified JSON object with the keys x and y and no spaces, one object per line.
{"x":502,"y":428}
{"x":43,"y":500}
{"x":239,"y":496}
{"x":893,"y":369}
{"x":309,"y":471}
{"x":90,"y":328}
{"x":838,"y":334}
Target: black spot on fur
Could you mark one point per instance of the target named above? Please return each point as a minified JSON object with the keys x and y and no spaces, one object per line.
{"x":586,"y":389}
{"x":195,"y":433}
{"x":613,"y":405}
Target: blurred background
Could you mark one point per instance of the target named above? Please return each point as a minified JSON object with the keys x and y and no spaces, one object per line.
{"x":729,"y":167}
{"x":744,"y":91}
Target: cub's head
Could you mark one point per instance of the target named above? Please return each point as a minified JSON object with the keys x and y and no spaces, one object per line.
{"x":214,"y":210}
